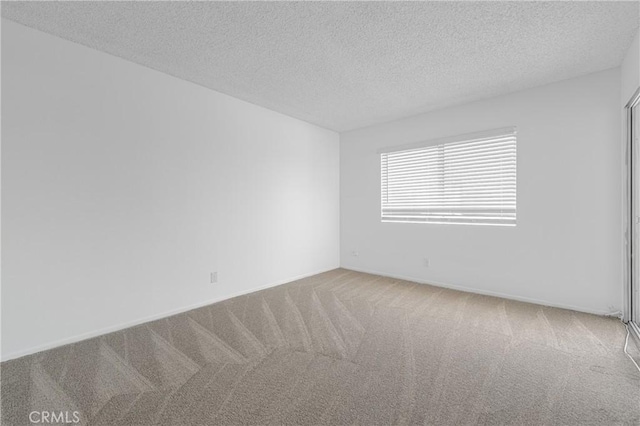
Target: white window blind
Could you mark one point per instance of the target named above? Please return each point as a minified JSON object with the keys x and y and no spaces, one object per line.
{"x":469,"y":179}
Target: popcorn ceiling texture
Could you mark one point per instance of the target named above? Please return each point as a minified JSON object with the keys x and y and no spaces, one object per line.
{"x":348,"y":65}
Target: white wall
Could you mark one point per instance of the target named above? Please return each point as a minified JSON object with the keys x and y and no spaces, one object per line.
{"x":124,"y":187}
{"x":566,"y":248}
{"x":630,"y":71}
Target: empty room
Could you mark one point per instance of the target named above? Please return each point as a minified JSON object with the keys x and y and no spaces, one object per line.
{"x":310,"y":213}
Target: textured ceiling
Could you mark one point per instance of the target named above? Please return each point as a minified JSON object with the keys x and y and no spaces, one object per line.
{"x":347,"y":65}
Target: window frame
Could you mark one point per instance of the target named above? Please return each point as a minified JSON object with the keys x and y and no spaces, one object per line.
{"x":481,"y":136}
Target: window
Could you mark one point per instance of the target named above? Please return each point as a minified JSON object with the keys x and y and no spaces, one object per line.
{"x":469,"y":179}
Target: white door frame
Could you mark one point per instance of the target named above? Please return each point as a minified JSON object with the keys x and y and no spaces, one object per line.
{"x":631,"y":219}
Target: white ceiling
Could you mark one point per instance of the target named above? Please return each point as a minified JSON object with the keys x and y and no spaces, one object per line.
{"x":347,"y":65}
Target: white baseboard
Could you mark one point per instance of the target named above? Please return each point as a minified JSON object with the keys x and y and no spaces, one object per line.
{"x":122,"y":326}
{"x":485,"y":292}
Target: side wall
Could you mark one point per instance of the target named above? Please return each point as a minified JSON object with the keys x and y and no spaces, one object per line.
{"x":124,"y":188}
{"x":630,"y":71}
{"x":566,"y":248}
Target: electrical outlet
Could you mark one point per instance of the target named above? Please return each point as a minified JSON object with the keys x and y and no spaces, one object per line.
{"x":214,"y":277}
{"x":425,"y":262}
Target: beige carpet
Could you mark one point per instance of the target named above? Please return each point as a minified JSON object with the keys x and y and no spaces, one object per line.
{"x":340,"y":348}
